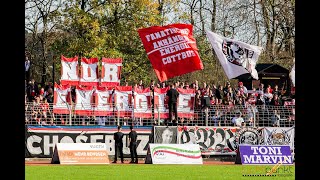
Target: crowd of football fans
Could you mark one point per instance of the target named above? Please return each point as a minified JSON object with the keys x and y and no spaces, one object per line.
{"x":219,"y":105}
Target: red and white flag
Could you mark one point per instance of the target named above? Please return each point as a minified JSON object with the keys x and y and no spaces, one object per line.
{"x":84,"y":100}
{"x":171,"y":49}
{"x":61,"y":102}
{"x":111,"y":72}
{"x":69,"y":71}
{"x":142,"y":103}
{"x":185,"y":102}
{"x":160,"y":103}
{"x":103,"y":101}
{"x":236,"y":57}
{"x":123,"y":101}
{"x":89,"y":72}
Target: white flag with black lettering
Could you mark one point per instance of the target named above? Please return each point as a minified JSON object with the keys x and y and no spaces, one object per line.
{"x":236,"y":57}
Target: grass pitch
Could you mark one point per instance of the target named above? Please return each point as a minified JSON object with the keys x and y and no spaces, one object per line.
{"x":151,"y":171}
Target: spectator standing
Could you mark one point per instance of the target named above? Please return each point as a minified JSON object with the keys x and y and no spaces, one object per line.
{"x":242,"y":89}
{"x":238,"y":120}
{"x":205,"y":104}
{"x":276,"y":91}
{"x":163,"y":85}
{"x":140,"y":85}
{"x":260,"y":90}
{"x":173,"y":95}
{"x":133,"y":145}
{"x":275,"y":119}
{"x":32,"y":90}
{"x":118,"y":145}
{"x":219,"y":94}
{"x":275,"y":101}
{"x":49,"y":96}
{"x":27,"y":65}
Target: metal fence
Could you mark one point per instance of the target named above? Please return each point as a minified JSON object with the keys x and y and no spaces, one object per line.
{"x":216,"y":115}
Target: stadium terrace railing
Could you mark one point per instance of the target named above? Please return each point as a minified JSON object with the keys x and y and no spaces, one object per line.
{"x":216,"y":115}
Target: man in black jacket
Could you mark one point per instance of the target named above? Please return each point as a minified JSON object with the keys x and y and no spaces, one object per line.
{"x":133,"y":145}
{"x":173,"y":95}
{"x":118,"y":145}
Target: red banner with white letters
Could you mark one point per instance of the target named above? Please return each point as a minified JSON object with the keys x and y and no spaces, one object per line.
{"x":160,"y":103}
{"x":142,"y":103}
{"x":185,"y":103}
{"x":123,"y":101}
{"x":111,"y":72}
{"x":69,"y":71}
{"x":89,"y":72}
{"x":84,"y":100}
{"x":61,"y":99}
{"x":171,"y":49}
{"x":103,"y":101}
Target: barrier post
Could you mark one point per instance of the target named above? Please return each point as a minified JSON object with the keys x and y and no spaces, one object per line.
{"x":70,"y":116}
{"x":158,"y":115}
{"x":206,"y":112}
{"x":70,"y":113}
{"x":118,"y":117}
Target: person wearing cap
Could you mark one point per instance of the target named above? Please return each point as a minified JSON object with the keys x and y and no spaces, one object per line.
{"x":242,"y":89}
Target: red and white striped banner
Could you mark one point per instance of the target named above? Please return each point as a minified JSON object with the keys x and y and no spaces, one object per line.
{"x":89,"y":72}
{"x":103,"y":101}
{"x":61,"y":99}
{"x":142,"y":103}
{"x":123,"y":101}
{"x":69,"y":71}
{"x":160,"y":103}
{"x":84,"y":99}
{"x":111,"y":72}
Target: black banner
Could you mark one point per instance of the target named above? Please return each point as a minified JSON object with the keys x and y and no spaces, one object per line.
{"x":40,"y":143}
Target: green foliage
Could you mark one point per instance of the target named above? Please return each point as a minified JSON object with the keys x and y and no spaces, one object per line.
{"x":101,"y":28}
{"x":109,"y":30}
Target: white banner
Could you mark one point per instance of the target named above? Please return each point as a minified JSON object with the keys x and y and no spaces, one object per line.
{"x":142,"y":103}
{"x":185,"y":103}
{"x":89,"y":72}
{"x":160,"y":104}
{"x":111,"y":72}
{"x":175,"y":154}
{"x":80,"y":153}
{"x":103,"y":101}
{"x":61,"y":105}
{"x":236,"y":57}
{"x":69,"y":71}
{"x":84,"y":98}
{"x":279,"y":136}
{"x":212,"y":140}
{"x":123,"y":101}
